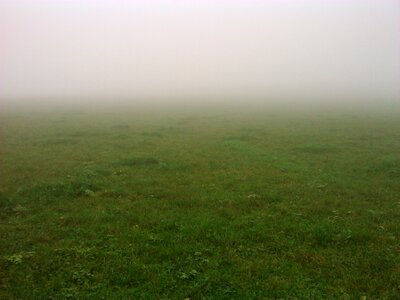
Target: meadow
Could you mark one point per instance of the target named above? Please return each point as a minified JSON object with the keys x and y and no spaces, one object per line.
{"x":199,"y":203}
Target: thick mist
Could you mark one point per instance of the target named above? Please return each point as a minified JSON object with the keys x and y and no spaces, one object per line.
{"x":133,"y":51}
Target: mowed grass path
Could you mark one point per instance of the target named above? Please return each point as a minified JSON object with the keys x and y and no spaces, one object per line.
{"x":199,"y":204}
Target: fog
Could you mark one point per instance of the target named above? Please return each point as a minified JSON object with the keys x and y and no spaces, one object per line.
{"x":116,"y":51}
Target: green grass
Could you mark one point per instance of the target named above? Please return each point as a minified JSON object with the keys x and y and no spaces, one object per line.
{"x":200,"y":204}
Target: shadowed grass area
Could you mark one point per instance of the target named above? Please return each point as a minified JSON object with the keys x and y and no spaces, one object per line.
{"x":138,"y":161}
{"x":199,"y":204}
{"x":389,"y":166}
{"x":62,"y":142}
{"x":314,"y":149}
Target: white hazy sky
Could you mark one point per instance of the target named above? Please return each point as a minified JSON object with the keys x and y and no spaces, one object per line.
{"x":113,"y":49}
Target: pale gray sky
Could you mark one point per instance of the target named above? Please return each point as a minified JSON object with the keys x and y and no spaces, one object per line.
{"x":111,"y":49}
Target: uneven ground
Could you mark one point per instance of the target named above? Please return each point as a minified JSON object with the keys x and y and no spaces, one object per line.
{"x":147,"y":204}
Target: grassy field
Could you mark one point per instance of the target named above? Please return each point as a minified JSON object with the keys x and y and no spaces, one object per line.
{"x":199,"y":204}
